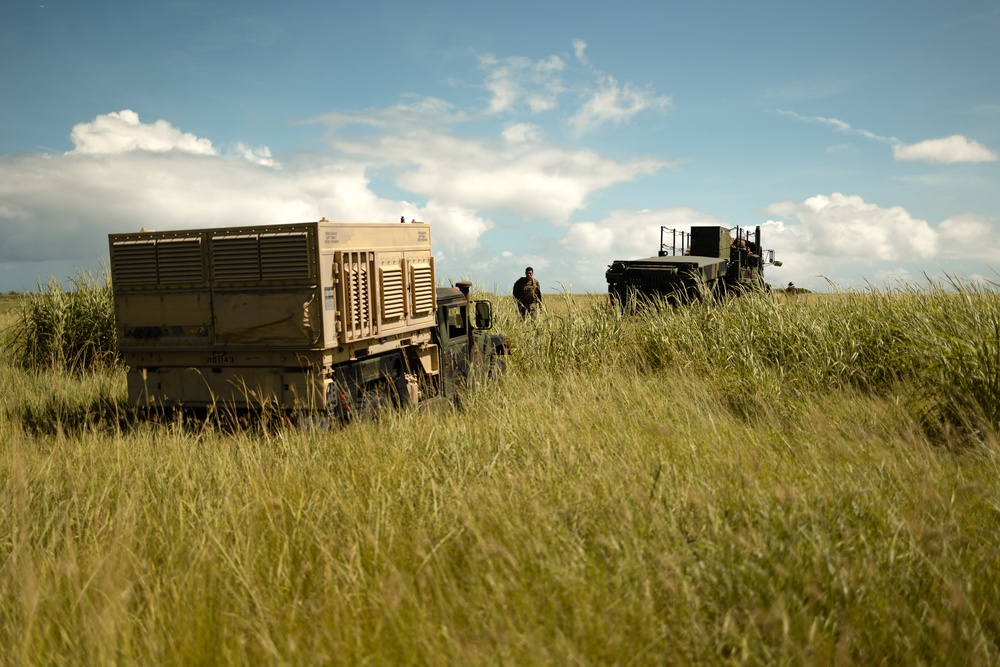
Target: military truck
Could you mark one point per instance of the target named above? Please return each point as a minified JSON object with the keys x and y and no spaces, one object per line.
{"x":312,"y":318}
{"x":708,"y":260}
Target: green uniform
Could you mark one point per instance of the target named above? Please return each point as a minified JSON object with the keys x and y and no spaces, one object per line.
{"x":528,"y":293}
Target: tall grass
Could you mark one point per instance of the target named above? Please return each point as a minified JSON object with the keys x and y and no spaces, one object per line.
{"x":60,"y":328}
{"x":610,"y":500}
{"x":599,"y":518}
{"x":937,"y":348}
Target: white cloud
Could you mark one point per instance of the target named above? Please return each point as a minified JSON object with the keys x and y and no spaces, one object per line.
{"x":122,"y":132}
{"x":846,"y":227}
{"x":627,"y":234}
{"x":894,"y":278}
{"x":419,"y":113}
{"x":970,"y":236}
{"x":63,"y":207}
{"x":260,"y":155}
{"x":840,"y":126}
{"x":532,"y":180}
{"x":845,"y":239}
{"x":517,"y":83}
{"x":589,"y":247}
{"x":948,"y":150}
{"x":612,"y":103}
{"x":467,"y":172}
{"x":455,"y":227}
{"x":513,"y":265}
{"x":522,"y":133}
{"x":517,"y":80}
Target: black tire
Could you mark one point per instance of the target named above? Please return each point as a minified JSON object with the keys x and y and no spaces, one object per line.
{"x":375,"y":399}
{"x":498,"y":365}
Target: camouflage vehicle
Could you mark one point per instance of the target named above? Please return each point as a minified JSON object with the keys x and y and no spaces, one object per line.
{"x":310,"y":318}
{"x":706,"y":260}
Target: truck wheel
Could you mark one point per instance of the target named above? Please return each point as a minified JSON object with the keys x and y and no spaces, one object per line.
{"x":498,"y":365}
{"x":375,"y":400}
{"x":313,"y":422}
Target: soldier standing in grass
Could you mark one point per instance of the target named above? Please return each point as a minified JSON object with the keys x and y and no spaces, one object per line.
{"x":528,"y":294}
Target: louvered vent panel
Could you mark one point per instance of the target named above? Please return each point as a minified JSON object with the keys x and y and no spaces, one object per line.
{"x":422,"y":281}
{"x":134,"y":262}
{"x":360,"y":313}
{"x":179,"y":260}
{"x":358,"y":274}
{"x":284,"y":256}
{"x":235,"y":258}
{"x":393,"y":301}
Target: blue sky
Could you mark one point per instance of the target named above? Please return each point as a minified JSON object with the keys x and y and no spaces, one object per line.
{"x":862,"y":136}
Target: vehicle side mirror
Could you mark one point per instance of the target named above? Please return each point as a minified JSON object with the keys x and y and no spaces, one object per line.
{"x":484,"y":315}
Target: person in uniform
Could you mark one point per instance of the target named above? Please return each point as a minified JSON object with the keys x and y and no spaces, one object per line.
{"x":528,"y":294}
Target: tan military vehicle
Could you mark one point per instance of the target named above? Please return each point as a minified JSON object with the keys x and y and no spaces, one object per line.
{"x":312,"y":318}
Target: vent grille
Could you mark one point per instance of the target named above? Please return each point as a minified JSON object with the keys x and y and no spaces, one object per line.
{"x":358,"y":269}
{"x":284,"y":256}
{"x":232,"y":257}
{"x":393,"y":301}
{"x":236,"y":258}
{"x":157,"y":261}
{"x":422,"y":282}
{"x":134,"y":262}
{"x":360,"y":312}
{"x":267,"y":257}
{"x":179,"y":260}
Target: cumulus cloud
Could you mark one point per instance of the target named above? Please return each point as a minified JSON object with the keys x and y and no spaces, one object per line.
{"x":122,"y":132}
{"x":532,"y":180}
{"x":123,"y":174}
{"x":521,"y":133}
{"x":894,"y":278}
{"x":62,"y":207}
{"x":970,"y":236}
{"x":842,"y":237}
{"x":455,"y":227}
{"x":588,"y":247}
{"x":845,"y":226}
{"x":260,"y":155}
{"x":949,"y":150}
{"x":612,"y":103}
{"x":627,"y":234}
{"x":99,"y":194}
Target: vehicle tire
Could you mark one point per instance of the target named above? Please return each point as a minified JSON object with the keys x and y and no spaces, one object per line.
{"x":498,"y":365}
{"x":375,"y":400}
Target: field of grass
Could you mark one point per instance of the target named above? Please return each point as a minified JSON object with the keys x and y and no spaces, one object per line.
{"x":780,"y":480}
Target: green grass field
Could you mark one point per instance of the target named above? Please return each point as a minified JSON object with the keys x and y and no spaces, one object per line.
{"x":776,"y":481}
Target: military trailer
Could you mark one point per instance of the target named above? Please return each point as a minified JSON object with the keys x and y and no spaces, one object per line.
{"x":309,"y":318}
{"x":706,"y":260}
